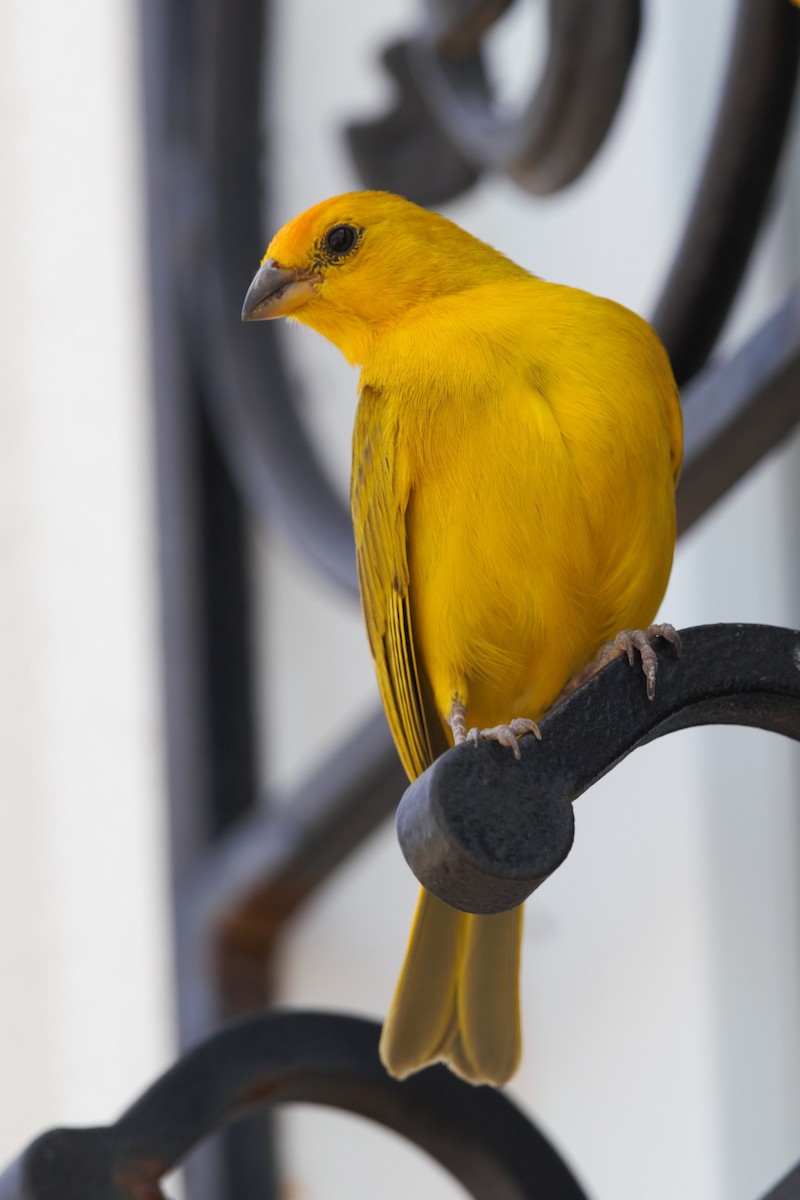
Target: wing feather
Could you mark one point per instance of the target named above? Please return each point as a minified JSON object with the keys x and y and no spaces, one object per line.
{"x":379,"y":520}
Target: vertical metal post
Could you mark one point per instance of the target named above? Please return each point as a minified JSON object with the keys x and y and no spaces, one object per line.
{"x":205,"y":579}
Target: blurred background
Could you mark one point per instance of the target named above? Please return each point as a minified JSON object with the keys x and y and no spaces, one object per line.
{"x":661,"y":994}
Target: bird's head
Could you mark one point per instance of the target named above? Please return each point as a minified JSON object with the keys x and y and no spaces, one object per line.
{"x":354,"y":264}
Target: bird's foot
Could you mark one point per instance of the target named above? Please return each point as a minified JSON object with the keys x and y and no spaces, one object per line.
{"x":627,"y":642}
{"x":458,"y":722}
{"x":506,"y":735}
{"x":630,"y":640}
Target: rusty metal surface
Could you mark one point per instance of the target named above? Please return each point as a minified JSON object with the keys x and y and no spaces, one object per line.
{"x":235,"y":904}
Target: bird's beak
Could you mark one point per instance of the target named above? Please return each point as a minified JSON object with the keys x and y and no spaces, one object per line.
{"x":275,"y":292}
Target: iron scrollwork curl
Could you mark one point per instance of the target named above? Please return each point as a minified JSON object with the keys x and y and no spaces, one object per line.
{"x":559,"y":129}
{"x":443,"y":94}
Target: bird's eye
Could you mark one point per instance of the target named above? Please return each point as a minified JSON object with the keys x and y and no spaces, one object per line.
{"x":340,"y":240}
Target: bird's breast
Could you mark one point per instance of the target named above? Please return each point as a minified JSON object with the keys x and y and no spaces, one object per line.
{"x":496,"y":546}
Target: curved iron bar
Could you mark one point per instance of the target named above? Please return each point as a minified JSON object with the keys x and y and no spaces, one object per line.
{"x":740,"y":410}
{"x":481,"y":856}
{"x":566,"y":119}
{"x":731,"y":198}
{"x":477,"y":1134}
{"x":251,"y":391}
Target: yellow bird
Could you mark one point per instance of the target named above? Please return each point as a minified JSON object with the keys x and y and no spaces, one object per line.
{"x":515,"y":455}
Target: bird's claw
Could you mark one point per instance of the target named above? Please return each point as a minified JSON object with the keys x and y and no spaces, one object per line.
{"x":628,"y":641}
{"x":506,"y":735}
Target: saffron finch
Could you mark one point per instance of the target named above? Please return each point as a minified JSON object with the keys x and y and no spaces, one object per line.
{"x":515,"y":454}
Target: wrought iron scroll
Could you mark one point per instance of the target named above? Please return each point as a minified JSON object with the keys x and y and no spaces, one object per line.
{"x":476,"y":1134}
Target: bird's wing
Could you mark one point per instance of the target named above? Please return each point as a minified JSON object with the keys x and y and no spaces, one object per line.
{"x":379,"y":503}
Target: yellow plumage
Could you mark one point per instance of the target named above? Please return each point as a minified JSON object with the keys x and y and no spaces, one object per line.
{"x":515,"y":455}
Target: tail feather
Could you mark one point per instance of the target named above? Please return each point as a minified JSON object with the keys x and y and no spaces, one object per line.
{"x":457,"y":998}
{"x":423,"y":1008}
{"x":488,"y":996}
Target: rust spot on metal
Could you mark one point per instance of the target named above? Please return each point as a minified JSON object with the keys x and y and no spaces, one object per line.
{"x":139,"y":1178}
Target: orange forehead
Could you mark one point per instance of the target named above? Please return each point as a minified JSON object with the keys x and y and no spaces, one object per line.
{"x":299,"y":235}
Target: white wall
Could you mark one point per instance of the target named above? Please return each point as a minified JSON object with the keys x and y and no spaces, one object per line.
{"x":662,"y":982}
{"x":84,"y":991}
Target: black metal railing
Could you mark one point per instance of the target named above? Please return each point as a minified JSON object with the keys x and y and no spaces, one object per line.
{"x":231,"y":447}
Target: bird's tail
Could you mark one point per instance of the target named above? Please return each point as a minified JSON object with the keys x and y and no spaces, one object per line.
{"x":457,"y":999}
